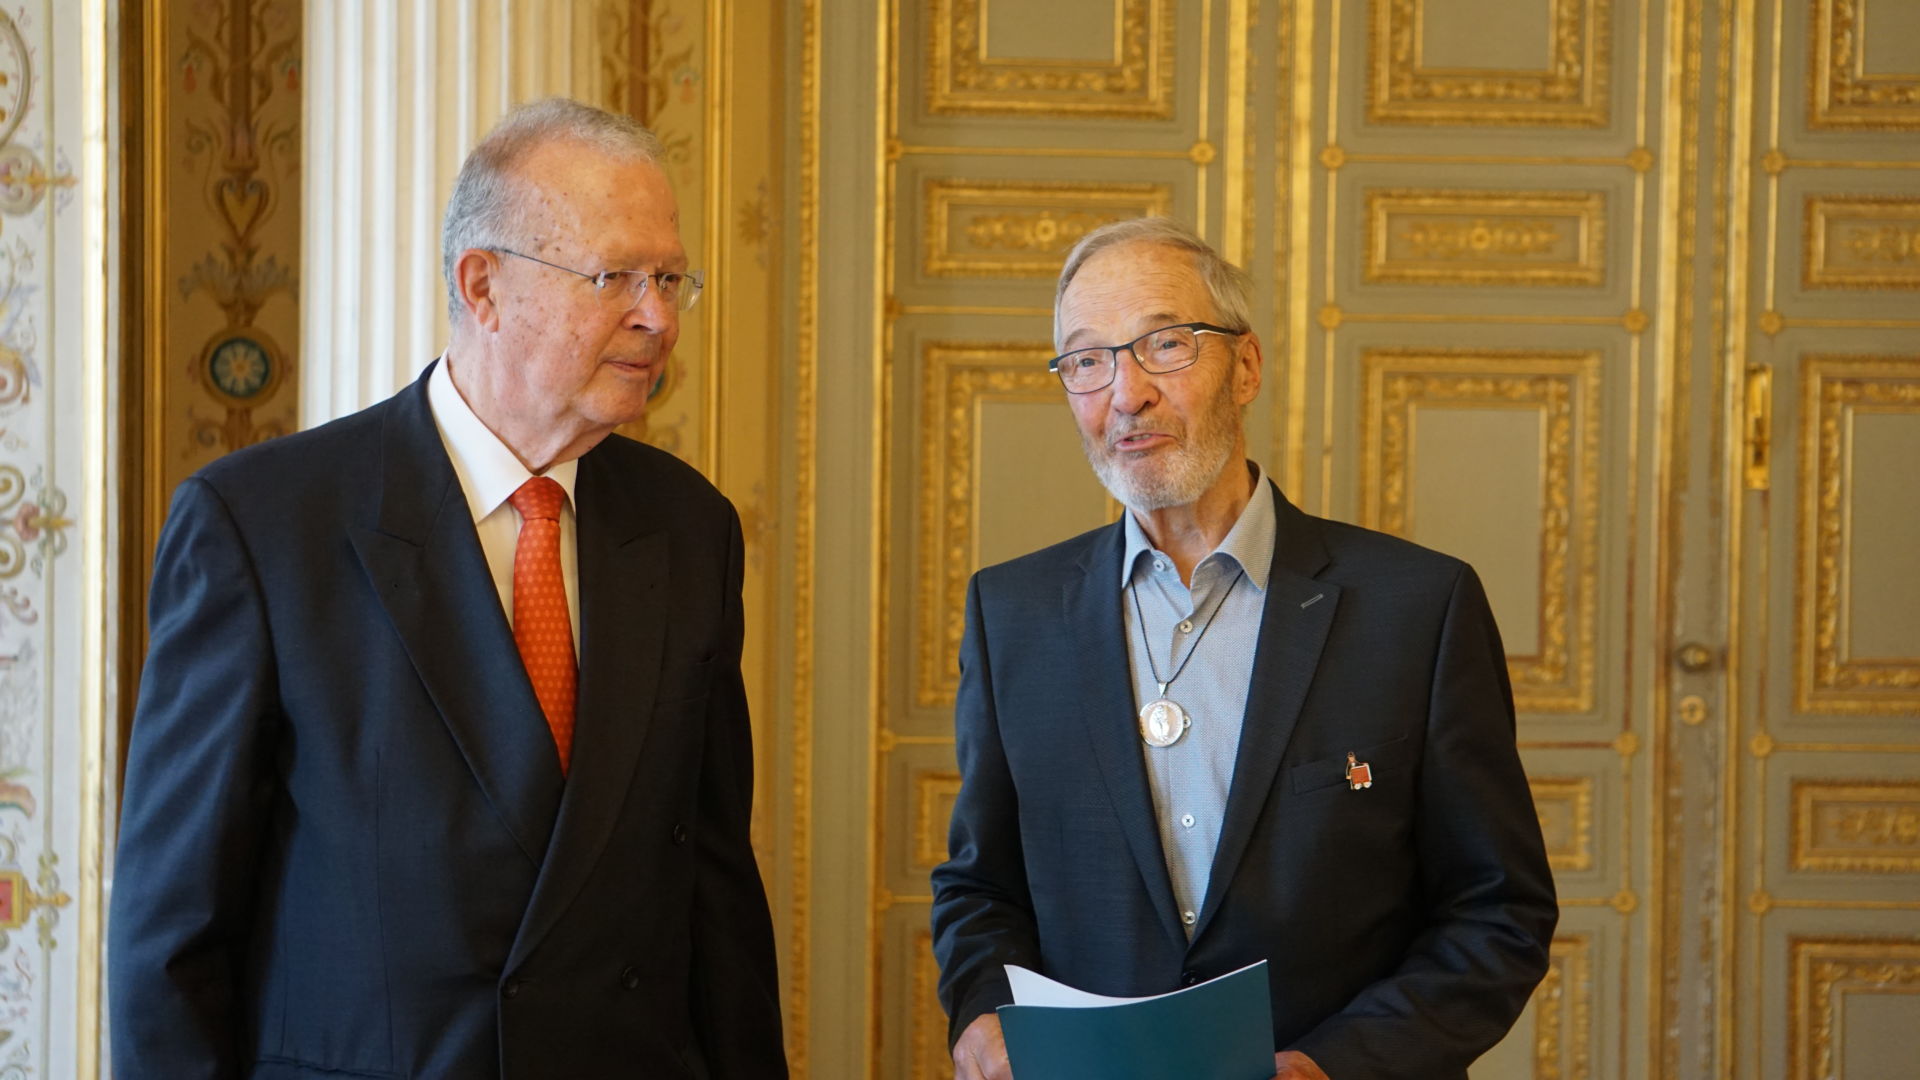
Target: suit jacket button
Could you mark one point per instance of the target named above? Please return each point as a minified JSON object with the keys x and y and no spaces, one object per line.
{"x":1189,"y":978}
{"x":510,"y":989}
{"x":679,"y":834}
{"x":630,"y":979}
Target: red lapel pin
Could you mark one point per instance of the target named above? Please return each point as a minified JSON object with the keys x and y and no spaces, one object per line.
{"x":1359,"y":773}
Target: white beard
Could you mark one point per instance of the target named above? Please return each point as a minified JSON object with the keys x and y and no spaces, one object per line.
{"x":1172,"y":477}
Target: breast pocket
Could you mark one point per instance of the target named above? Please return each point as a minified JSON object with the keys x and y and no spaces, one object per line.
{"x":1386,"y":763}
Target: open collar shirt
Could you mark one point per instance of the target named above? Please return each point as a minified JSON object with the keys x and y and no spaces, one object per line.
{"x":1207,"y":632}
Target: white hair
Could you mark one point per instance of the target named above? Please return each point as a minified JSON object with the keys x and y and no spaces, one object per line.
{"x":488,"y":207}
{"x":1228,"y":285}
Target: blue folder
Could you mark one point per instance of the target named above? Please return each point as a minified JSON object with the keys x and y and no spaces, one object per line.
{"x":1219,"y":1030}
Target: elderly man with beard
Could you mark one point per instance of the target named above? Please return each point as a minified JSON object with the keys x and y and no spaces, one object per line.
{"x":1221,"y":730}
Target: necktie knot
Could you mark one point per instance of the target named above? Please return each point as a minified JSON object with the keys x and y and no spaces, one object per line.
{"x":539,"y":499}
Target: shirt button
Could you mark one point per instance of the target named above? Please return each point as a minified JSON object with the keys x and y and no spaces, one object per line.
{"x":1187,"y":917}
{"x":679,"y":834}
{"x":1187,"y":820}
{"x":630,"y":979}
{"x":511,"y":989}
{"x":1159,"y":564}
{"x":1189,"y":978}
{"x":1186,"y":626}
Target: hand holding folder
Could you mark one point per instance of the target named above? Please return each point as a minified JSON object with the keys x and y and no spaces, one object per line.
{"x":1221,"y":1029}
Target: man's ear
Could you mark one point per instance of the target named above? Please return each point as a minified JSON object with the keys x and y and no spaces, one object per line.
{"x":476,"y":279}
{"x":1246,"y":369}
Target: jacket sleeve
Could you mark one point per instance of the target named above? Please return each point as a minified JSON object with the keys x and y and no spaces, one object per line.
{"x":982,"y":912}
{"x":199,"y":784}
{"x":1483,"y":873}
{"x":736,"y":983}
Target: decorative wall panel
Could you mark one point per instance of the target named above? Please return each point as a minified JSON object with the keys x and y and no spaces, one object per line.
{"x":1563,"y":387}
{"x":1849,"y":826}
{"x":1836,"y":392}
{"x":960,"y":380}
{"x":1861,"y":242}
{"x":929,"y":1059}
{"x":1022,"y":228}
{"x":1485,"y":237}
{"x":1570,"y":91}
{"x":53,"y":218}
{"x":936,"y":791}
{"x":1438,"y":236}
{"x":223,"y":315}
{"x":1565,"y":807}
{"x":964,"y":79}
{"x":1826,"y":973}
{"x":1563,"y":1011}
{"x":1843,"y":93}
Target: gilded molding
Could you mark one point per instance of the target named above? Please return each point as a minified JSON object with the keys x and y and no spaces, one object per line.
{"x":1841,"y":93}
{"x":1856,"y":826}
{"x":1564,"y":805}
{"x":1565,"y":387}
{"x":1021,"y":228}
{"x":1861,"y":242}
{"x":934,"y":792}
{"x":1825,"y":972}
{"x":962,"y":80}
{"x":928,"y":1059}
{"x":1563,"y":1011}
{"x":1440,"y":236}
{"x":806,"y":336}
{"x":1825,"y":679}
{"x":1573,"y":92}
{"x":956,"y":379}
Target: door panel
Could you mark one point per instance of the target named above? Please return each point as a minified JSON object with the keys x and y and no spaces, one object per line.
{"x":1508,"y":288}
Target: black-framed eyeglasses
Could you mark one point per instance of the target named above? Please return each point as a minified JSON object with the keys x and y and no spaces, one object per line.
{"x":623,"y":289}
{"x":1158,"y":352}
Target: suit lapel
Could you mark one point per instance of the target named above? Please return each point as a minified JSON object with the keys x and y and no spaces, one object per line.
{"x":624,"y":567}
{"x":1105,"y":695}
{"x":1293,"y":629}
{"x":424,"y":560}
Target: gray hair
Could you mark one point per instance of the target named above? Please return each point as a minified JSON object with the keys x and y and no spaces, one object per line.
{"x":489,"y":203}
{"x":1228,"y":285}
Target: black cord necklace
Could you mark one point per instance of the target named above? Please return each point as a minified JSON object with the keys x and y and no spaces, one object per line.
{"x":1163,"y":720}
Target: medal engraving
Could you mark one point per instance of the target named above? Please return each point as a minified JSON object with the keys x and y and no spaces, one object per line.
{"x":1162,"y":723}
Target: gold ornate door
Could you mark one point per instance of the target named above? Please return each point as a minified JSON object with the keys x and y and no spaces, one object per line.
{"x":1511,"y":286}
{"x":1821,"y":945}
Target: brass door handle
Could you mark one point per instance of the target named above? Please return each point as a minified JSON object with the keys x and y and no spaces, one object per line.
{"x":1693,"y":657}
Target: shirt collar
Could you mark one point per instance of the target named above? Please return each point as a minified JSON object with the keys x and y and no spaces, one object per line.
{"x":1249,"y":543}
{"x":489,"y":472}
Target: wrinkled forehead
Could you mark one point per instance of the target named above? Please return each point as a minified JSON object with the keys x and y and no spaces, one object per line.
{"x":584,"y":201}
{"x":1126,"y":290}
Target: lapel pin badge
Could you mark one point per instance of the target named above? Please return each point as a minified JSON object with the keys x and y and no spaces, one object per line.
{"x":1359,"y":773}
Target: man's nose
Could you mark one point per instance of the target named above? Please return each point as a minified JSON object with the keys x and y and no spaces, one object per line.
{"x":1133,"y":388}
{"x":653,"y":313}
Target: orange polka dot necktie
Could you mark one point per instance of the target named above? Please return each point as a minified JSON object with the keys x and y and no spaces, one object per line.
{"x":540,"y":625}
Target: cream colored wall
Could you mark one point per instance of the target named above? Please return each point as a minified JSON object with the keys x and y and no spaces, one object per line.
{"x":56,"y":533}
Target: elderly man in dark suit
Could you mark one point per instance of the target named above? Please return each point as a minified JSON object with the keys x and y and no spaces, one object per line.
{"x":1221,"y":731}
{"x":441,"y":764}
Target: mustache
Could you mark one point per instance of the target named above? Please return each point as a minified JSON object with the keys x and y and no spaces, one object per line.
{"x":1134,"y":426}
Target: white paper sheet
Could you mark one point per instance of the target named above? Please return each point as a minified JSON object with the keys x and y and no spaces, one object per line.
{"x":1033,"y":988}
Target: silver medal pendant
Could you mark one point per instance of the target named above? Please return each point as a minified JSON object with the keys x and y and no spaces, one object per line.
{"x":1163,"y":721}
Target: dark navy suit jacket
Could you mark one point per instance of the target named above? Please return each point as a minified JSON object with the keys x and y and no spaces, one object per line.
{"x":346,"y":846}
{"x":1405,"y":924}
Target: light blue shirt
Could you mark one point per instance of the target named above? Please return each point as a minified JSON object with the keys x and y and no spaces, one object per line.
{"x":1190,"y":778}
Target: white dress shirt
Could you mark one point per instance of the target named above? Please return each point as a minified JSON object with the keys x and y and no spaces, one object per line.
{"x":489,"y":474}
